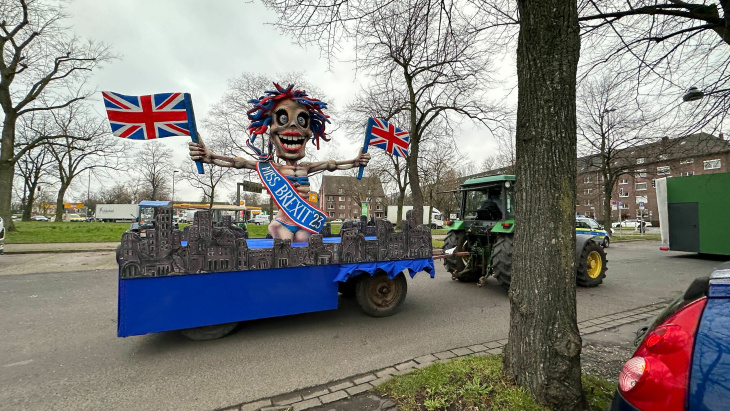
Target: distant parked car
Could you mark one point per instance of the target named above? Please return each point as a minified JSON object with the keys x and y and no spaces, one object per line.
{"x":631,"y":223}
{"x":74,"y":218}
{"x":683,"y":358}
{"x":338,"y":221}
{"x":39,"y":218}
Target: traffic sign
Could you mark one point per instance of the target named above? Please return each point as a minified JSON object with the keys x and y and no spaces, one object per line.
{"x":620,"y":204}
{"x":641,"y":205}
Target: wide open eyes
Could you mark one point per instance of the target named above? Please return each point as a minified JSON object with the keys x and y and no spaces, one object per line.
{"x":282,"y":117}
{"x":303,"y":119}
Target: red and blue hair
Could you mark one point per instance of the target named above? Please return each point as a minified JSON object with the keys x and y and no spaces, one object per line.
{"x":260,"y":114}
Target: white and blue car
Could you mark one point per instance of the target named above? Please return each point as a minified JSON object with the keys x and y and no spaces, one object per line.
{"x":587,"y":226}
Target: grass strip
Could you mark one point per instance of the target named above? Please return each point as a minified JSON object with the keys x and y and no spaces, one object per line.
{"x":474,"y":383}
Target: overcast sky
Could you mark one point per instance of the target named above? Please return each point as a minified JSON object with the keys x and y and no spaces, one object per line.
{"x":196,"y":46}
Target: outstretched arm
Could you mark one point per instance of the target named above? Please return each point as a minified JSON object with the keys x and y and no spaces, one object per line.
{"x":332,"y":165}
{"x":199,"y":152}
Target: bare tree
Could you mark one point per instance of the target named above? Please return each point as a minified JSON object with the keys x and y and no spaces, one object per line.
{"x":87,"y":146}
{"x":33,"y":168}
{"x":43,"y":68}
{"x":154,"y":166}
{"x":612,"y":123}
{"x":668,"y":45}
{"x":214,"y":178}
{"x":425,"y":52}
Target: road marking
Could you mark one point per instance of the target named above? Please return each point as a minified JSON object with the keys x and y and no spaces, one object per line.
{"x":18,"y":363}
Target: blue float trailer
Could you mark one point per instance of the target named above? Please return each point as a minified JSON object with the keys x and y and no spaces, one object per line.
{"x":207,"y":278}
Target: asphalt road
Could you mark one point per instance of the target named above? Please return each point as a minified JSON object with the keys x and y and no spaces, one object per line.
{"x":59,"y":350}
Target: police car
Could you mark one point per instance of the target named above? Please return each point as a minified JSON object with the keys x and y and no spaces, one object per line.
{"x":588,"y":226}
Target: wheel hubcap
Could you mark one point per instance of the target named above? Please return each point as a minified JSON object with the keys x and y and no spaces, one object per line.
{"x":383,"y":292}
{"x":594,"y":264}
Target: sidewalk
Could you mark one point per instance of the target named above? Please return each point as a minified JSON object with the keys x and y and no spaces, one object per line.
{"x":606,"y":339}
{"x":59,"y":247}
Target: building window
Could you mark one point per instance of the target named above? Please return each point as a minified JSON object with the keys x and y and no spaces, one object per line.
{"x":340,"y":191}
{"x":662,"y":171}
{"x":640,"y":160}
{"x":641,"y":186}
{"x":342,"y":198}
{"x":687,"y":161}
{"x":331,"y":214}
{"x":342,"y":207}
{"x":342,"y":215}
{"x":624,"y":206}
{"x":623,"y":192}
{"x":587,"y":179}
{"x":588,"y":203}
{"x":587,"y":191}
{"x":687,"y":173}
{"x":641,"y":173}
{"x":378,"y":200}
{"x":623,"y":181}
{"x":712,"y":164}
{"x":331,"y":207}
{"x":663,"y":156}
{"x":378,"y":207}
{"x":378,"y":215}
{"x":330,"y":198}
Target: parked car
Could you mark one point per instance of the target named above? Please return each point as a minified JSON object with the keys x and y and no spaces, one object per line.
{"x":683,"y":358}
{"x":74,"y":218}
{"x":587,"y":226}
{"x":338,"y":221}
{"x":39,"y":218}
{"x":632,"y":223}
{"x":259,"y":219}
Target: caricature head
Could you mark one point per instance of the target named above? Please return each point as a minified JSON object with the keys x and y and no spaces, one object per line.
{"x":293,"y":119}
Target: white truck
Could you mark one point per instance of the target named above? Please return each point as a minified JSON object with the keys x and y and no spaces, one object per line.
{"x":116,"y":212}
{"x":436,"y":219}
{"x":259,"y":219}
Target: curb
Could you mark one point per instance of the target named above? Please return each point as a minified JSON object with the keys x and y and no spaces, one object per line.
{"x":347,"y":387}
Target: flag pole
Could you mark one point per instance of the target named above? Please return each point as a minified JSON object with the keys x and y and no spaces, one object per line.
{"x":191,"y":126}
{"x":368,"y":133}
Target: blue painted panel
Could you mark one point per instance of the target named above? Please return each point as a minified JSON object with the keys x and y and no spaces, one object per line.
{"x":709,"y":387}
{"x":156,"y":304}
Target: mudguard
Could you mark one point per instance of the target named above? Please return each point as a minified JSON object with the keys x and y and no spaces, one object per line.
{"x":580,"y":242}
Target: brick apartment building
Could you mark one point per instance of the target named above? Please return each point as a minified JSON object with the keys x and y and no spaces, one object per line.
{"x":341,"y":197}
{"x":695,"y":154}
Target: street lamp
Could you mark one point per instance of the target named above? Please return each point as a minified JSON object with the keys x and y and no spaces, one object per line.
{"x":694,"y":94}
{"x":173,"y":186}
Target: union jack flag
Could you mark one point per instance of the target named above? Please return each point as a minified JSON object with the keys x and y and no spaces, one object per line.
{"x":384,"y":135}
{"x":148,"y":117}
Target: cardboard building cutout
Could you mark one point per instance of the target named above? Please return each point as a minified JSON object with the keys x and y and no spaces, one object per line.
{"x":292,"y":119}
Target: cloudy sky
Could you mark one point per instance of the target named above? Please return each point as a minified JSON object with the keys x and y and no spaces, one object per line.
{"x":196,"y":46}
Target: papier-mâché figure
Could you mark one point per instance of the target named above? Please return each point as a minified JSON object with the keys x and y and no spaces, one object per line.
{"x":292,"y":119}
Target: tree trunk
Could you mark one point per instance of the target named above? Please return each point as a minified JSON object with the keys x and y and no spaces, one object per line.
{"x":607,"y":193}
{"x":60,"y":209}
{"x":7,"y":170}
{"x":543,"y":349}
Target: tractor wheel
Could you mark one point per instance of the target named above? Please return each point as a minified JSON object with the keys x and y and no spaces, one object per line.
{"x":210,"y":332}
{"x":502,"y":261}
{"x":457,"y":240}
{"x":379,"y":296}
{"x":592,"y":265}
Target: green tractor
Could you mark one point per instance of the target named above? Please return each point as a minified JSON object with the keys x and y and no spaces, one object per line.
{"x":480,"y":243}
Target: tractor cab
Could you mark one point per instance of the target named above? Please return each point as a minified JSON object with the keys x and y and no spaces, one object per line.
{"x":148,"y":215}
{"x":487,"y":204}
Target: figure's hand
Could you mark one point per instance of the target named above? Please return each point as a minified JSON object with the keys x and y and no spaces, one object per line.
{"x":198,"y":152}
{"x":362,"y":159}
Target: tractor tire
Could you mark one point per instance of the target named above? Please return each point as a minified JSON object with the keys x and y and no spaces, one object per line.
{"x":455,"y":265}
{"x":502,"y":261}
{"x":592,"y":265}
{"x":379,"y":296}
{"x":210,"y":332}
